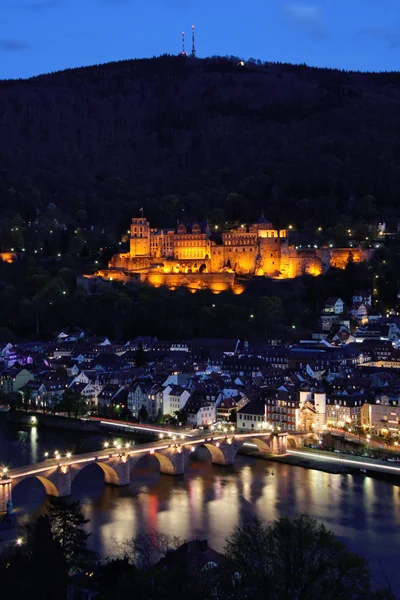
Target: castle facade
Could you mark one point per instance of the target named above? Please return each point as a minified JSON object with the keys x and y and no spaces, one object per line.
{"x":190,"y":255}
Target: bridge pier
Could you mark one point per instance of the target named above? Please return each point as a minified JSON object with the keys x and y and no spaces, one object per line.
{"x":63,"y":481}
{"x":123,"y":472}
{"x":5,"y":493}
{"x":172,"y":460}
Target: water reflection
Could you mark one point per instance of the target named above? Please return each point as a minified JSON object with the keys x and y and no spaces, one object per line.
{"x":210,"y":500}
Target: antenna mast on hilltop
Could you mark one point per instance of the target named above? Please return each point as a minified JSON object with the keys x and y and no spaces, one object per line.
{"x":193,"y":55}
{"x":183,"y":53}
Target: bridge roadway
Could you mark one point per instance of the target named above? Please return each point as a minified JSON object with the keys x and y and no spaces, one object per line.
{"x":57,"y":474}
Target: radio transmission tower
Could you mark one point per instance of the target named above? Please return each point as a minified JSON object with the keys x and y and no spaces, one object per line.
{"x":193,"y":55}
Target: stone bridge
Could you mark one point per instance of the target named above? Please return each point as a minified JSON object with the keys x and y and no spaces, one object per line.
{"x":57,"y":474}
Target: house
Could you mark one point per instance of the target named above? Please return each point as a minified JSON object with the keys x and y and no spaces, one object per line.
{"x":64,"y":349}
{"x":362,"y":297}
{"x":89,"y":391}
{"x":360,"y":311}
{"x":334,"y":306}
{"x":174,"y":399}
{"x":344,"y":410}
{"x":107,"y":399}
{"x":327,"y":321}
{"x":199,"y":410}
{"x":252,"y":417}
{"x":226,"y":407}
{"x":14,"y":378}
{"x":137,"y":397}
{"x":381,"y":416}
{"x":154,"y":402}
{"x":282,"y":410}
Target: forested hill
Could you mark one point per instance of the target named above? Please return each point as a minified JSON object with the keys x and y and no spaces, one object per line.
{"x":192,"y":138}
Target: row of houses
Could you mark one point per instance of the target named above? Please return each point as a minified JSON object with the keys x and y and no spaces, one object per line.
{"x":305,"y":386}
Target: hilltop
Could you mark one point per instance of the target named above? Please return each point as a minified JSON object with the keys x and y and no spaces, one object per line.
{"x":196,"y":138}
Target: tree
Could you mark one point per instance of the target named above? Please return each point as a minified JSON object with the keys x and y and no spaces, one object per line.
{"x":143,"y":414}
{"x":147,"y":548}
{"x":271,"y":312}
{"x":160,"y":417}
{"x":67,"y":523}
{"x":49,"y":567}
{"x":72,"y":401}
{"x":294,"y":559}
{"x":181,"y":416}
{"x":118,"y":578}
{"x":36,"y":564}
{"x":140,"y":356}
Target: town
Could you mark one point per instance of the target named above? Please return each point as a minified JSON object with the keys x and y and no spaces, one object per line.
{"x":344,"y":377}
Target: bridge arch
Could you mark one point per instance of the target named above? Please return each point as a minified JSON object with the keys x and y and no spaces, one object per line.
{"x":217,"y":456}
{"x":110,"y":474}
{"x":262,"y":445}
{"x":49,"y":487}
{"x":166,"y":464}
{"x":294,"y":442}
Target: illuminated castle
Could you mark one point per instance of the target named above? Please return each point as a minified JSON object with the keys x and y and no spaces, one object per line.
{"x":189,"y":256}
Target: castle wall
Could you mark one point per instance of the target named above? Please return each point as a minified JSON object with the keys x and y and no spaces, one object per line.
{"x":217,"y":282}
{"x":295,"y":263}
{"x":124,"y":261}
{"x":340,"y":256}
{"x":242,"y":259}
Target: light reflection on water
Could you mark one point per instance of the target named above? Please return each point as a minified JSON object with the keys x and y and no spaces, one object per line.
{"x":210,"y":500}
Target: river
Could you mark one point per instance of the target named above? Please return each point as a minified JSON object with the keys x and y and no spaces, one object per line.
{"x":210,"y":500}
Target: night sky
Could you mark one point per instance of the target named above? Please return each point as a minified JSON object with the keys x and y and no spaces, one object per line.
{"x":39,"y":36}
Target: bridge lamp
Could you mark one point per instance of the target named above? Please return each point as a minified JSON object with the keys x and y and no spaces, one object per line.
{"x":4,"y":470}
{"x":19,"y":541}
{"x":232,"y":428}
{"x":116,"y":443}
{"x":68,"y":455}
{"x":192,"y":449}
{"x":127,"y":445}
{"x":225,"y":429}
{"x":118,"y":446}
{"x":217,"y":444}
{"x":106,"y":444}
{"x":161,"y":435}
{"x":46,"y":454}
{"x":174,"y":437}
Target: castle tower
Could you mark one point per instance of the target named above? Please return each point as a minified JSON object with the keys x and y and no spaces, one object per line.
{"x":140,"y":237}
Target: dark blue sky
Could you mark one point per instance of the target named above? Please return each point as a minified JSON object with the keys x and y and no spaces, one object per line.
{"x":38,"y":36}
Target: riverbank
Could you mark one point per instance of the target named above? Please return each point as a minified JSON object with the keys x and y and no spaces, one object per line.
{"x":45,"y":420}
